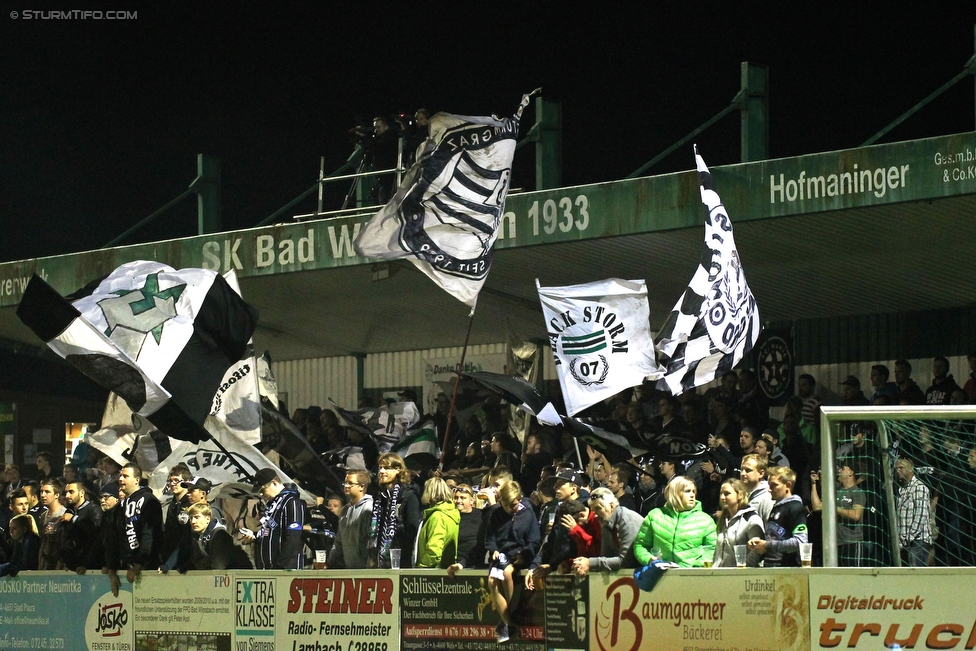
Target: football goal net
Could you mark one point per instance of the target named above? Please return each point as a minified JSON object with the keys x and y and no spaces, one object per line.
{"x":897,"y":486}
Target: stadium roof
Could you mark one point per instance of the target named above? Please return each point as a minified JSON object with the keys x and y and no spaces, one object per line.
{"x":882,"y":229}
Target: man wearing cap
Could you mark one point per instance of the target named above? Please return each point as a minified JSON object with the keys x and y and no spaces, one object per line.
{"x":197,"y":490}
{"x":569,"y":485}
{"x":850,"y":505}
{"x":108,"y":501}
{"x":851,"y":394}
{"x":279,"y":540}
{"x":776,"y":456}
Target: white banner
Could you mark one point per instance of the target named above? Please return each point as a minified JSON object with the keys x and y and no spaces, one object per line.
{"x":600,"y":338}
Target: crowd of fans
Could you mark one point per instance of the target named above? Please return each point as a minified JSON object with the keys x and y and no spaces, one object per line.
{"x":524,"y":510}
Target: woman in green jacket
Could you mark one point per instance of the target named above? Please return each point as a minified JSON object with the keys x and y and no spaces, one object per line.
{"x":437,"y":545}
{"x":680,"y":530}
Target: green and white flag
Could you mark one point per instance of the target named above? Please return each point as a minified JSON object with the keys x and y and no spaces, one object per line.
{"x":422,"y":440}
{"x":600,"y":338}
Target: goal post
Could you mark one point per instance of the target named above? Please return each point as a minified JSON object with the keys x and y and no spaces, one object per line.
{"x":872,"y":438}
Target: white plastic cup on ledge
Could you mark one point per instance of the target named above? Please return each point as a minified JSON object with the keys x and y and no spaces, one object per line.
{"x":740,"y":555}
{"x":806,"y":554}
{"x":395,"y":559}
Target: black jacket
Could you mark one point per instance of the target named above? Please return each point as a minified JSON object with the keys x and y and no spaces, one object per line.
{"x":139,"y":533}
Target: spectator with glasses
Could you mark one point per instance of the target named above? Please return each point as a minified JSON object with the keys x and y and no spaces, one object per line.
{"x":352,"y":537}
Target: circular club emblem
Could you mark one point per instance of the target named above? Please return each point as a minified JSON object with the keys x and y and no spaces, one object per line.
{"x":729,"y":307}
{"x":775,"y":367}
{"x":588,"y":370}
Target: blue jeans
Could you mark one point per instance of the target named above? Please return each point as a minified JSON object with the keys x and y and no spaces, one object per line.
{"x":917,"y":553}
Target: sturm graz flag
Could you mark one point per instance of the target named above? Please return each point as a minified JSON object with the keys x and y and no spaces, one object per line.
{"x":161,"y":339}
{"x":445,"y":215}
{"x":715,"y":323}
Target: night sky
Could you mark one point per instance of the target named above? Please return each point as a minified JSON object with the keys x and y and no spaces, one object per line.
{"x":101,"y":121}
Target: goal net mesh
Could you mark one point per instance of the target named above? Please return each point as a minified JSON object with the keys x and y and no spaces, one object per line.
{"x":943,"y":453}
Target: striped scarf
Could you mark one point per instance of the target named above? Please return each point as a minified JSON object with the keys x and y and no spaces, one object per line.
{"x":383,"y":529}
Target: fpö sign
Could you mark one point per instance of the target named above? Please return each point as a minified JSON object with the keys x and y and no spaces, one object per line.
{"x":897,"y":610}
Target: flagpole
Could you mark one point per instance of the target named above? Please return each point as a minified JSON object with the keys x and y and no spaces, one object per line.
{"x":457,"y":386}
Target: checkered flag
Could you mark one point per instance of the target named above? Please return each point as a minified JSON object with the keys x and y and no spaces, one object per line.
{"x":715,"y":323}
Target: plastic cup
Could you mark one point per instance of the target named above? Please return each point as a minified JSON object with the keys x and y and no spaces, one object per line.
{"x":806,"y":554}
{"x":395,"y":559}
{"x":707,"y":562}
{"x":656,"y":553}
{"x":320,"y":556}
{"x":740,"y":555}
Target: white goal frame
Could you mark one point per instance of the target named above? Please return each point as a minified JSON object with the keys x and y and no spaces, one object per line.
{"x":831,"y":419}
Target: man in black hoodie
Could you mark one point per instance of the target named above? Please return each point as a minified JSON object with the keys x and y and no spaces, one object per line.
{"x":943,"y":384}
{"x":138,"y":537}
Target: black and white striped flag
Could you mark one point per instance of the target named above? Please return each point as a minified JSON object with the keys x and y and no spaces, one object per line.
{"x":445,"y":215}
{"x":715,"y":323}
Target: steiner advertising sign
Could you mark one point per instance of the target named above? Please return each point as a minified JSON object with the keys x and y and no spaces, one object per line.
{"x":335,"y":611}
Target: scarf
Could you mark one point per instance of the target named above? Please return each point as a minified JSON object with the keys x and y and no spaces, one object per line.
{"x":383,"y":528}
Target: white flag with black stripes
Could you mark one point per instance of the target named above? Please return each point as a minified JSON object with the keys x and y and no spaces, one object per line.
{"x":715,"y":323}
{"x":444,"y":217}
{"x":160,"y":338}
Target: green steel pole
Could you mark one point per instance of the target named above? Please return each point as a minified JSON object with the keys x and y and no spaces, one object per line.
{"x":754,"y":112}
{"x":207,"y":187}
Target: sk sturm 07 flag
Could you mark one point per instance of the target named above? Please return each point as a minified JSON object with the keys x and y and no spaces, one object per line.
{"x":715,"y":323}
{"x":600,"y":337}
{"x":445,"y":215}
{"x":161,"y":339}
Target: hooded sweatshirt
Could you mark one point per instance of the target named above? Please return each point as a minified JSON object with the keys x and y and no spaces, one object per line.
{"x":437,"y":545}
{"x":352,"y":538}
{"x":745,"y":524}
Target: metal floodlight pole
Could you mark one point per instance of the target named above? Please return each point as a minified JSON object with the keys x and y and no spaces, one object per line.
{"x":968,"y":69}
{"x":207,"y":188}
